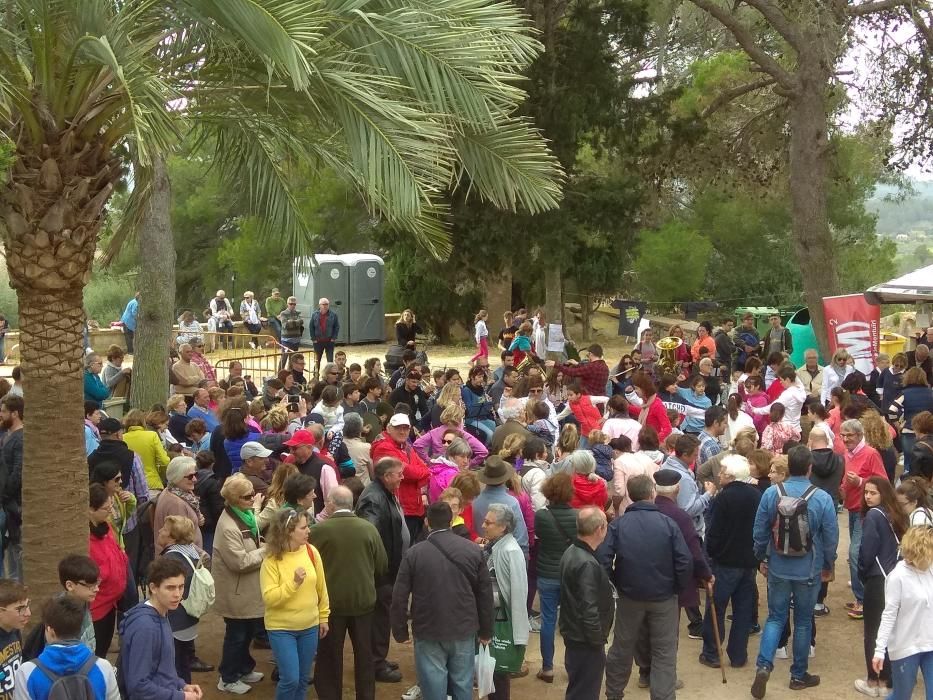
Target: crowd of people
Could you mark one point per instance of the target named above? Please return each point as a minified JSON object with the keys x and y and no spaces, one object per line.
{"x":548,"y":495}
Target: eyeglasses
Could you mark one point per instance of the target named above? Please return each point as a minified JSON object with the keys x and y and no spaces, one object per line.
{"x":536,"y":391}
{"x":19,"y":609}
{"x":190,"y":477}
{"x":447,"y":442}
{"x":90,"y":586}
{"x":248,"y":496}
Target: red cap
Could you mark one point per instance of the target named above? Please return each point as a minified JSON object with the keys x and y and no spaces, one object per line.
{"x":301,"y":437}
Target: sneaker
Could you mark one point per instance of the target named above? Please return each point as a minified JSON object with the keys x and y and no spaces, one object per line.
{"x":781,"y":653}
{"x":756,"y":629}
{"x":412,"y":693}
{"x":861,"y":685}
{"x":644,"y":681}
{"x":695,"y":635}
{"x":854,"y":604}
{"x":237,"y":687}
{"x":534,"y":623}
{"x":760,"y":685}
{"x":807,"y":680}
{"x":820,"y":610}
{"x":711,"y":663}
{"x":252,"y":677}
{"x":855,"y":613}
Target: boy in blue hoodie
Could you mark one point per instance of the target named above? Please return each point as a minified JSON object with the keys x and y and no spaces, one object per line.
{"x":147,"y":649}
{"x":64,"y":655}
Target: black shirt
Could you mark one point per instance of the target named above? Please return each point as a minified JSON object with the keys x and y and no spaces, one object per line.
{"x":507,"y":335}
{"x":11,"y":656}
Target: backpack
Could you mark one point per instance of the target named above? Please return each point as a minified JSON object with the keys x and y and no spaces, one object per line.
{"x":74,"y":686}
{"x":791,"y":528}
{"x":201,"y":592}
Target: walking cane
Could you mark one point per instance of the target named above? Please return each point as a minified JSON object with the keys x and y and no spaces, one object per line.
{"x":712,"y":605}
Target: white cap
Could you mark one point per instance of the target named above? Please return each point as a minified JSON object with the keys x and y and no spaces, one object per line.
{"x":398,"y":420}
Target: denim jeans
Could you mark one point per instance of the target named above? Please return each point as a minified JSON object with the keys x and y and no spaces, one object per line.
{"x":294,"y":652}
{"x":485,"y":427}
{"x":855,"y":543}
{"x":904,"y":675}
{"x":780,"y":591}
{"x":548,"y":598}
{"x":737,"y":585}
{"x":235,"y":659}
{"x":908,"y":440}
{"x":445,"y":668}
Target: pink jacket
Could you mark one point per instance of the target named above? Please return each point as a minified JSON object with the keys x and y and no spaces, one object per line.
{"x":442,"y":473}
{"x":758,"y":401}
{"x":431,"y":445}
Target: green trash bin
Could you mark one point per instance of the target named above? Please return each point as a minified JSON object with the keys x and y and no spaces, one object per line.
{"x":761,"y":314}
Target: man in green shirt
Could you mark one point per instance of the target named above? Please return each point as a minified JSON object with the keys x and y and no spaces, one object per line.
{"x":275,"y":305}
{"x":353,"y":556}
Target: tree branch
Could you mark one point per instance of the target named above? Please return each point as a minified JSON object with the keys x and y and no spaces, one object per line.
{"x":869,"y":8}
{"x":778,"y":20}
{"x":745,"y":39}
{"x":727,"y":96}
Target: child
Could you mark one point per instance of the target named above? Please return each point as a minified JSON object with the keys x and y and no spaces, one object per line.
{"x":481,"y":334}
{"x":454,"y":498}
{"x":542,"y":426}
{"x":673,"y":415}
{"x":602,"y":453}
{"x":755,"y":397}
{"x":351,"y":398}
{"x":777,"y":431}
{"x":340,"y":359}
{"x":14,"y":616}
{"x":584,"y":411}
{"x":355,"y":373}
{"x":330,"y":409}
{"x":696,"y":397}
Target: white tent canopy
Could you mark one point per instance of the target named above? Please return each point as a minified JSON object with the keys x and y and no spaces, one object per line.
{"x":913,"y":288}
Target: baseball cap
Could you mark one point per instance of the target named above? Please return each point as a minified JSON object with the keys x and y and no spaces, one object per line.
{"x":253,"y":449}
{"x":398,"y":420}
{"x":301,"y":437}
{"x":110,"y":426}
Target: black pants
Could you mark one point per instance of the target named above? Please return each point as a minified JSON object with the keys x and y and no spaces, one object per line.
{"x":322,"y":350}
{"x":585,"y":666}
{"x":328,"y":669}
{"x":415,"y":525}
{"x":235,"y":660}
{"x":381,"y":626}
{"x":184,"y":655}
{"x":128,"y":336}
{"x":872,"y":607}
{"x":695,"y":620}
{"x":503,"y":684}
{"x":103,"y":633}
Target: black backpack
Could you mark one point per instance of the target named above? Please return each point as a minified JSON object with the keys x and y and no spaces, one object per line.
{"x":74,"y":686}
{"x":791,"y":527}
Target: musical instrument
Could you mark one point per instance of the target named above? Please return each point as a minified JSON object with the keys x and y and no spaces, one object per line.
{"x":528,"y":361}
{"x":667,"y":351}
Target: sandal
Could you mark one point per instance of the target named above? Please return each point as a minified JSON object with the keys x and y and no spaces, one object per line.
{"x":855,"y":613}
{"x":546,"y":676}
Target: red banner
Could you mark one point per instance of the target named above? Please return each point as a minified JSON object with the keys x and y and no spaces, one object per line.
{"x":854,"y":324}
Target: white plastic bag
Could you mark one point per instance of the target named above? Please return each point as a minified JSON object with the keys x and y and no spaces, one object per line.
{"x":484,"y":667}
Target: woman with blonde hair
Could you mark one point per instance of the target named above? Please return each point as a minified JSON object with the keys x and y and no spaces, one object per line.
{"x":275,"y":495}
{"x":295,"y":595}
{"x":567,"y":443}
{"x":449,"y":396}
{"x":407,"y":329}
{"x":906,"y":630}
{"x":835,"y":373}
{"x":511,"y":450}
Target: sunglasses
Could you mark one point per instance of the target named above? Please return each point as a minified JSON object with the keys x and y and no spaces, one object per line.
{"x":248,"y":496}
{"x":447,"y":442}
{"x":190,"y":477}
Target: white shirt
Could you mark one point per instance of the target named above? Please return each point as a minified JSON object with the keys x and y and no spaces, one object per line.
{"x":831,"y":380}
{"x":617,"y":427}
{"x":734,"y":427}
{"x":792,"y":398}
{"x":907,"y":621}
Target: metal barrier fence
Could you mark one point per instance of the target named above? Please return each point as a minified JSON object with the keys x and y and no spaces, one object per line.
{"x":259,"y":354}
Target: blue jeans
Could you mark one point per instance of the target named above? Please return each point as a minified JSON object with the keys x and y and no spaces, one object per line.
{"x":235,"y":659}
{"x":445,"y":668}
{"x":855,"y":543}
{"x":548,"y":598}
{"x":486,"y":427}
{"x":904,"y":675}
{"x":908,"y":440}
{"x":780,"y":591}
{"x":294,"y":652}
{"x":737,"y":585}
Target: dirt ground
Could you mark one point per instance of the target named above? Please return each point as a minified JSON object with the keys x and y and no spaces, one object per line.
{"x":838,"y":661}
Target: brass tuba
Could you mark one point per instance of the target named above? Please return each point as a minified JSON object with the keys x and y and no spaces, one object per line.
{"x":667,"y":351}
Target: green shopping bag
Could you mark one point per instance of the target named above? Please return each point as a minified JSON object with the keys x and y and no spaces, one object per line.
{"x":508,"y":655}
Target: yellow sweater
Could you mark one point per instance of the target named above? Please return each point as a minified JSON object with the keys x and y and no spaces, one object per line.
{"x":291,"y":607}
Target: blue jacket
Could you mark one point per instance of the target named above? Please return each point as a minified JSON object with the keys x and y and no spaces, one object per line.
{"x":476,"y":406}
{"x":64,"y":658}
{"x":823,"y":528}
{"x":693,"y":424}
{"x":94,"y":389}
{"x":645,"y":554}
{"x":879,"y":546}
{"x":210,"y":420}
{"x":913,"y":400}
{"x":331,"y":327}
{"x":690,"y":499}
{"x":128,"y":318}
{"x":232,"y":448}
{"x":147,"y":656}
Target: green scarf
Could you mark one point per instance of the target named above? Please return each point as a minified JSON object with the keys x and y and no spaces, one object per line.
{"x":248,"y":517}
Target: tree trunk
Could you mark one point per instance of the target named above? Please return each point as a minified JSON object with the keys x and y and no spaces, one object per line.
{"x":157,"y":295}
{"x":553,"y":297}
{"x":585,"y":316}
{"x":809,"y":170}
{"x":498,"y":300}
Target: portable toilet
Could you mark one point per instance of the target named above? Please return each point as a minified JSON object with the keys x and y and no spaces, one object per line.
{"x":802,"y":336}
{"x":330,"y":279}
{"x":366,"y":323}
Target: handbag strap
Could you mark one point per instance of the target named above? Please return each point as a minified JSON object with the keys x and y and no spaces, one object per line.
{"x":463,"y":570}
{"x":559,"y":526}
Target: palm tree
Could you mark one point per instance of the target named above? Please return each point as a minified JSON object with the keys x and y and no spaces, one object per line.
{"x":402,"y":98}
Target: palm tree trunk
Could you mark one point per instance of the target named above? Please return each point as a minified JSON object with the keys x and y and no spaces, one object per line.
{"x":157,"y":294}
{"x":55,"y":520}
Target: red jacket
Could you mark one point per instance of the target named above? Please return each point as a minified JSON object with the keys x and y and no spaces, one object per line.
{"x":111,"y":561}
{"x":866,"y":462}
{"x":588,"y":493}
{"x":586,"y":413}
{"x":414,"y":477}
{"x":657,"y":417}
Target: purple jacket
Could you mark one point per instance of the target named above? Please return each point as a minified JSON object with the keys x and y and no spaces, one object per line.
{"x":431,"y":445}
{"x":689,"y":597}
{"x":443,"y":472}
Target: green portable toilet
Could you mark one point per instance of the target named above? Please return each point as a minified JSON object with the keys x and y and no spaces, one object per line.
{"x":802,"y":336}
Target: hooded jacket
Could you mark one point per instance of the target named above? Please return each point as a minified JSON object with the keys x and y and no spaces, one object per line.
{"x":112,"y":561}
{"x":64,"y":659}
{"x":443,"y":472}
{"x":147,"y":656}
{"x":589,"y":493}
{"x":827,"y":470}
{"x":414,"y":475}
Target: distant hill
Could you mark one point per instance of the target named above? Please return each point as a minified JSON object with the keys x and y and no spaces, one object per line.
{"x":911,"y":214}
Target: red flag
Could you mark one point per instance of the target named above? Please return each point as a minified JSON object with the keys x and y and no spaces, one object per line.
{"x":854,"y":324}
